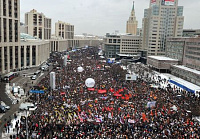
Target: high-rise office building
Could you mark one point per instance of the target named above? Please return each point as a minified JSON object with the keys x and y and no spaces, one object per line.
{"x":9,"y":35}
{"x":132,"y":23}
{"x":38,"y":25}
{"x":64,"y":30}
{"x":163,"y":19}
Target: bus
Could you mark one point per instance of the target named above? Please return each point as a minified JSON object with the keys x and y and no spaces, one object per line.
{"x":8,"y":77}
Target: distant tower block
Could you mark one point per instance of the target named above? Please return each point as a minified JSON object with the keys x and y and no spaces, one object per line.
{"x":132,"y":23}
{"x":53,"y":80}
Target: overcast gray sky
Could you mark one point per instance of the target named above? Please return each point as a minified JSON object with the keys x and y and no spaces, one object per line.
{"x":99,"y":17}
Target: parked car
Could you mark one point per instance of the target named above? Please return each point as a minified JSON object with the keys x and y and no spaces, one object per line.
{"x":2,"y":109}
{"x":6,"y":106}
{"x":34,"y":77}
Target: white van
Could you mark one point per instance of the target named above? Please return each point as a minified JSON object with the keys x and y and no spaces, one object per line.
{"x":26,"y":105}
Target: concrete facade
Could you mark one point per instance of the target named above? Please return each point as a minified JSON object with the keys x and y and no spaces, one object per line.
{"x":192,"y":53}
{"x":80,"y":43}
{"x":121,"y":44}
{"x":161,"y":62}
{"x":64,"y":30}
{"x":175,"y":48}
{"x":186,"y":50}
{"x":132,"y":23}
{"x":59,"y":45}
{"x":34,"y":52}
{"x":38,"y":25}
{"x":9,"y":35}
{"x":161,"y":20}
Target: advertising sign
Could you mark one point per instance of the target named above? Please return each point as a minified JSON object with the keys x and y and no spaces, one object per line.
{"x":37,"y":91}
{"x":153,"y":2}
{"x":167,"y":2}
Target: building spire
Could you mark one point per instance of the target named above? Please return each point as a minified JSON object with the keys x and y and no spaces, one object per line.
{"x":133,"y":7}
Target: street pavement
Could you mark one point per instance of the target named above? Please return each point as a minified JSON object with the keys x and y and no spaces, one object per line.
{"x":24,"y":82}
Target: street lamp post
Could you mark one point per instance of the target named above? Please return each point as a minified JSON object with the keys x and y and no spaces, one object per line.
{"x":27,"y":123}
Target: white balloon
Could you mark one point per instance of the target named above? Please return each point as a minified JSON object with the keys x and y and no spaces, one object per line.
{"x":89,"y":82}
{"x":80,"y":69}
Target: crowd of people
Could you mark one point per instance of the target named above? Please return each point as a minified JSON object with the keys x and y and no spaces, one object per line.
{"x":114,"y":108}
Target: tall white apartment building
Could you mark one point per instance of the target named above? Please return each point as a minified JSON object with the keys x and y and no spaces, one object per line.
{"x":163,"y":19}
{"x":132,"y":23}
{"x":64,"y":30}
{"x":38,"y":25}
{"x":9,"y":35}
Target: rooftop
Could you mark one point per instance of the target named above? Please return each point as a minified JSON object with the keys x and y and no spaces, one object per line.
{"x":162,"y":58}
{"x":188,"y":69}
{"x":27,"y":37}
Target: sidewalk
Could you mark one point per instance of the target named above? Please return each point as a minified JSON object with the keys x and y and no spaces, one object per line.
{"x":6,"y":135}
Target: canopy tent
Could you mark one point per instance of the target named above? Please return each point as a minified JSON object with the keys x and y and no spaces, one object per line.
{"x":117,"y":95}
{"x":102,"y":91}
{"x":91,"y":89}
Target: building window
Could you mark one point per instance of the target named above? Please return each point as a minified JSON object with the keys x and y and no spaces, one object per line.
{"x":5,"y":58}
{"x":34,"y":55}
{"x":11,"y":57}
{"x":28,"y":56}
{"x":22,"y":56}
{"x":16,"y":56}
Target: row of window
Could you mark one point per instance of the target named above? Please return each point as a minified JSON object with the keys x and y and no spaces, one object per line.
{"x":9,"y":30}
{"x":8,"y":56}
{"x":193,"y":53}
{"x":192,"y":57}
{"x":193,"y":48}
{"x":193,"y":43}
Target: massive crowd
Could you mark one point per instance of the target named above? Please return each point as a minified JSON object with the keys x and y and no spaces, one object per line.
{"x":114,"y":108}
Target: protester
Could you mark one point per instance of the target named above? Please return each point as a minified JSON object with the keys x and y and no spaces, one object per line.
{"x":113,"y":108}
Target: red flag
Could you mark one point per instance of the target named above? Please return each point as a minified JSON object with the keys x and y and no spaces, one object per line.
{"x":144,"y":117}
{"x":79,"y":109}
{"x":111,"y":90}
{"x":151,"y":113}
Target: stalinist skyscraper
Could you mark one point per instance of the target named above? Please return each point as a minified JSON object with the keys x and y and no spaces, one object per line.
{"x":132,"y":23}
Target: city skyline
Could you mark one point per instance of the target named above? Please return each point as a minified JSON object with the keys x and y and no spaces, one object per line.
{"x":102,"y":16}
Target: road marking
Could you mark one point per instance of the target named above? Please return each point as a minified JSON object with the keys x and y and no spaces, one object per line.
{"x":1,"y":115}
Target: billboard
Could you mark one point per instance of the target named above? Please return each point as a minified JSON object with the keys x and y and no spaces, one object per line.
{"x":37,"y":91}
{"x":168,"y":2}
{"x":153,"y":2}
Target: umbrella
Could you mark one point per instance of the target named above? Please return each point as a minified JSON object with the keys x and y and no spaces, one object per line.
{"x":102,"y":91}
